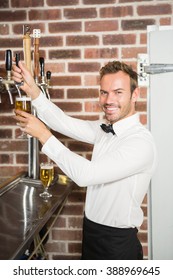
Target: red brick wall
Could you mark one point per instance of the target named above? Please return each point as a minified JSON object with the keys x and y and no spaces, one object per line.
{"x":78,"y":37}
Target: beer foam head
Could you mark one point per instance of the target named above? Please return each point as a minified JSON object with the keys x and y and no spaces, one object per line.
{"x":21,"y":98}
{"x":46,"y":166}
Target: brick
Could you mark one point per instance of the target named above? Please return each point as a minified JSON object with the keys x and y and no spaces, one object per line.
{"x":69,"y":106}
{"x":91,"y":80}
{"x":141,"y":106}
{"x":132,"y":1}
{"x":50,"y":41}
{"x":101,"y":53}
{"x":60,"y":222}
{"x":5,"y":133}
{"x":66,"y":81}
{"x":62,"y":2}
{"x":143,"y":237}
{"x":144,"y":209}
{"x":13,"y":15}
{"x":165,"y":21}
{"x":143,"y":38}
{"x":4,"y":29}
{"x":92,"y":107}
{"x":66,"y":235}
{"x":65,"y":27}
{"x":25,"y":4}
{"x":84,"y":67}
{"x":143,"y":119}
{"x":6,"y":120}
{"x":119,"y":39}
{"x":72,"y":210}
{"x":77,"y":196}
{"x":41,"y":15}
{"x":17,"y":145}
{"x":58,"y":67}
{"x":4,"y":4}
{"x":75,"y":222}
{"x":9,"y":171}
{"x":80,"y":13}
{"x":6,"y":159}
{"x":98,"y":26}
{"x":145,"y":200}
{"x":93,"y":2}
{"x":136,"y":24}
{"x":145,"y":251}
{"x":132,"y":52}
{"x":65,"y":54}
{"x":143,"y":92}
{"x":21,"y":158}
{"x":80,"y":146}
{"x":82,"y":93}
{"x":75,"y":247}
{"x":144,"y":225}
{"x":55,"y":247}
{"x":87,"y":117}
{"x":82,"y":40}
{"x":161,"y":9}
{"x":11,"y":43}
{"x":56,"y":93}
{"x":66,"y":257}
{"x":113,"y":12}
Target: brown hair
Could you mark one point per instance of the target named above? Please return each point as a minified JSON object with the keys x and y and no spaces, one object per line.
{"x":115,"y":66}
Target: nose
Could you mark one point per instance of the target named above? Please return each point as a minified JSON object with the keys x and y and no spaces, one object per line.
{"x":111,"y":98}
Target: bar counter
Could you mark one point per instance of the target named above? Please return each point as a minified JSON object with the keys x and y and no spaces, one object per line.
{"x":23,"y":213}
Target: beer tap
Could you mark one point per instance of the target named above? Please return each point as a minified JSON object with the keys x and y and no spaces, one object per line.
{"x":7,"y":81}
{"x":48,"y":76}
{"x":17,"y":59}
{"x":36,"y":36}
{"x":27,"y":46}
{"x":43,"y":84}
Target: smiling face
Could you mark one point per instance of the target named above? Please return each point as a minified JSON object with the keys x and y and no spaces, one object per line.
{"x":116,"y":99}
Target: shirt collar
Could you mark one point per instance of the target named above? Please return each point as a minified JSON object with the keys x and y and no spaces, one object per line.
{"x":123,"y":125}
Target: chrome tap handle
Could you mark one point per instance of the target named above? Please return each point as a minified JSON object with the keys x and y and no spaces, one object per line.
{"x":8,"y":66}
{"x":8,"y":63}
{"x":48,"y":76}
{"x":42,"y":69}
{"x":8,"y":60}
{"x":17,"y":59}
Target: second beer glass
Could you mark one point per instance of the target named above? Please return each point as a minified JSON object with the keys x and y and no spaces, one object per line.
{"x":46,"y":177}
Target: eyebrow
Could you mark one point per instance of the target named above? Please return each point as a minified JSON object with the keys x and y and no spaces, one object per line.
{"x":102,"y":90}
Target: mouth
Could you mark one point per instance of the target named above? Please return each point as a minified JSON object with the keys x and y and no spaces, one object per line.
{"x":111,"y":109}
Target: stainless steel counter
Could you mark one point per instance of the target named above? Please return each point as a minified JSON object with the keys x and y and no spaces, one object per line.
{"x":23,"y":213}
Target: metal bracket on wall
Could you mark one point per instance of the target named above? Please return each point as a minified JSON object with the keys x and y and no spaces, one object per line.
{"x":144,"y":69}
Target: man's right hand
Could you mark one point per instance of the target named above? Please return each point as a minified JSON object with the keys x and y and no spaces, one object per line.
{"x":22,"y":74}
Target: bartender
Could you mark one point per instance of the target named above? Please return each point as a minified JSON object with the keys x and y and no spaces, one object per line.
{"x":123,"y":161}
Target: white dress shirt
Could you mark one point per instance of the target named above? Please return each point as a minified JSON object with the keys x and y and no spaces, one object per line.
{"x":119,"y":173}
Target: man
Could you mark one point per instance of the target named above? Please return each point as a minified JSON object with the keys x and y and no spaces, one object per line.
{"x":123,"y":161}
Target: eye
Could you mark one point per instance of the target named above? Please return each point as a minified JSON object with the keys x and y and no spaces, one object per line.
{"x":102,"y":92}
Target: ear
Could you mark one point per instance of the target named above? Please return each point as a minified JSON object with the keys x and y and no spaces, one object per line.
{"x":135,"y":94}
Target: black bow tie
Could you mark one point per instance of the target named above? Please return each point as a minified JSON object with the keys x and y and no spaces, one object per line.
{"x":107,"y":128}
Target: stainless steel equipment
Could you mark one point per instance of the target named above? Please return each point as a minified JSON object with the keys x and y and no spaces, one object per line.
{"x":43,"y":83}
{"x":23,"y":213}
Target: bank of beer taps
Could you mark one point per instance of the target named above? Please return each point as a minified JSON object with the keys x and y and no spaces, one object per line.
{"x":35,"y":65}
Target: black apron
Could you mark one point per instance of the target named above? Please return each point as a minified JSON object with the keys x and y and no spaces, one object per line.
{"x":102,"y":242}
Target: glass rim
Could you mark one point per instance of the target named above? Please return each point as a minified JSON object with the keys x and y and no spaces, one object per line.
{"x":19,"y":98}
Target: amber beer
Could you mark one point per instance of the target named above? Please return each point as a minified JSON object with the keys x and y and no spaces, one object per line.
{"x":46,"y":174}
{"x":23,"y":103}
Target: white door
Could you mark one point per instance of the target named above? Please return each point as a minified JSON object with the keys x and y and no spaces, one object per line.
{"x":160,"y":121}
